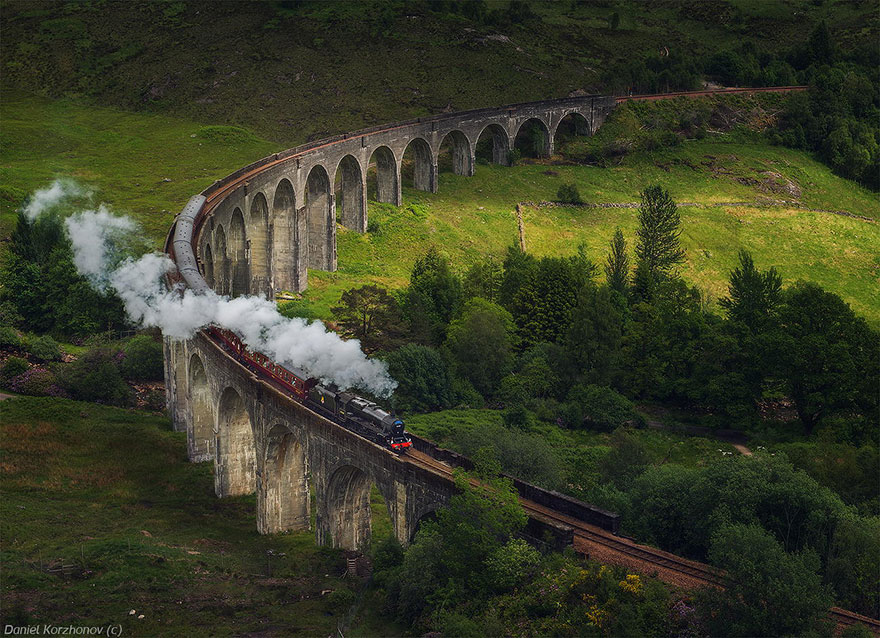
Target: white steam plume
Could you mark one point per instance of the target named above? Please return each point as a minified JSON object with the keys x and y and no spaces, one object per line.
{"x":46,"y":198}
{"x":96,"y":236}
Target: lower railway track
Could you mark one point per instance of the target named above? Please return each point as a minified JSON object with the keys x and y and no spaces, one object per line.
{"x":603,"y":546}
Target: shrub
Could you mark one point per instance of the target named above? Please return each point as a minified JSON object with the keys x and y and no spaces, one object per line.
{"x":44,"y":348}
{"x":374,"y":227}
{"x":598,"y":407}
{"x":569,"y":194}
{"x":13,"y":367}
{"x":95,"y":377}
{"x":143,"y":359}
{"x":37,"y":382}
{"x":513,"y":157}
{"x":9,"y":338}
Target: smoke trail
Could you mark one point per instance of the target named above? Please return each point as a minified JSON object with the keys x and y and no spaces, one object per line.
{"x":98,"y":237}
{"x":46,"y":198}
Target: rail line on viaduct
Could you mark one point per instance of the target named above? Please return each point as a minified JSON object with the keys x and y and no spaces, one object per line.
{"x":259,"y":231}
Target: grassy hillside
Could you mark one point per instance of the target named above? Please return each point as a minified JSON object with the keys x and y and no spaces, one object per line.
{"x":294,"y":70}
{"x":122,"y":157}
{"x":472,"y":217}
{"x":108,"y":493}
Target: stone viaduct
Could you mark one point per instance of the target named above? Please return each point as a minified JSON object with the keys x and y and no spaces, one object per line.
{"x":259,"y":231}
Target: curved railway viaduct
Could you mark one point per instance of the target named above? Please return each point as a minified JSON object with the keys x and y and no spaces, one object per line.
{"x":259,"y":232}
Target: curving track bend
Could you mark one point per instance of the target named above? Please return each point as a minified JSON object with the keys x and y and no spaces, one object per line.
{"x":604,"y":547}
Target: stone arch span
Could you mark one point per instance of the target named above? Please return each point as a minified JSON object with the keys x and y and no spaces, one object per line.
{"x":234,"y":469}
{"x":283,"y":494}
{"x":533,"y":138}
{"x":221,"y":261}
{"x":493,"y":145}
{"x":320,"y":219}
{"x":258,"y":249}
{"x":351,"y":198}
{"x":200,"y":433}
{"x":571,"y":125}
{"x":420,"y":165}
{"x":347,"y":507}
{"x":239,"y":283}
{"x":461,"y":155}
{"x":387,"y":175}
{"x":429,"y":514}
{"x":286,"y":237}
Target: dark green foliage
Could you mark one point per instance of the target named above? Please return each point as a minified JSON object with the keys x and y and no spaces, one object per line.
{"x":447,"y":563}
{"x":754,"y":296}
{"x":526,"y":456}
{"x":848,"y":470}
{"x":825,"y":355}
{"x":627,"y":459}
{"x":13,"y":367}
{"x":681,"y":508}
{"x":9,"y":338}
{"x":433,"y":297}
{"x":95,"y":376}
{"x":771,"y":593}
{"x":482,"y":342}
{"x":424,"y":378}
{"x":370,"y":314}
{"x":617,"y":265}
{"x":48,"y":294}
{"x":854,"y":564}
{"x":598,"y":408}
{"x":44,"y":348}
{"x":658,"y":248}
{"x":594,"y":336}
{"x":143,"y":359}
{"x":569,"y":194}
{"x":483,"y":279}
{"x":546,"y":295}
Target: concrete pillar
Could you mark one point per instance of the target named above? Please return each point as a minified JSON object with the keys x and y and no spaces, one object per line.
{"x":235,"y":455}
{"x":282,"y":484}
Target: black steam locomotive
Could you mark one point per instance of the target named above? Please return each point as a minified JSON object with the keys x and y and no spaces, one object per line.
{"x":348,"y":410}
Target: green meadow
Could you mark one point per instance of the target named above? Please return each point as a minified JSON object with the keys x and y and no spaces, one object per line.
{"x":102,"y":514}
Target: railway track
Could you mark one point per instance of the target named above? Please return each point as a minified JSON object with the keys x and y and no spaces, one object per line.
{"x":604,"y":546}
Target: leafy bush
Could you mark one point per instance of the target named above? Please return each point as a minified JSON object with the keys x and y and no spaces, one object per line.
{"x":144,"y":360}
{"x":569,"y":194}
{"x":9,"y":338}
{"x":425,"y":381}
{"x":13,"y":367}
{"x":96,"y":377}
{"x":513,"y":157}
{"x":44,"y":348}
{"x":374,"y":227}
{"x":599,"y":408}
{"x":37,"y":382}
